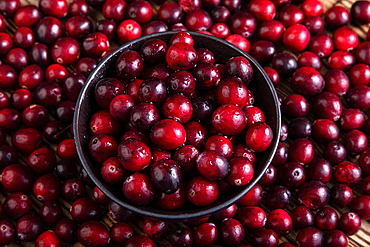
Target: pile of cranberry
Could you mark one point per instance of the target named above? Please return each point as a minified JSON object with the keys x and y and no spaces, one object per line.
{"x":316,"y":191}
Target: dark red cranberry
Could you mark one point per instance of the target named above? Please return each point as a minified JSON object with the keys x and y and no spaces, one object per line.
{"x":302,"y":217}
{"x":48,"y":30}
{"x":95,"y":44}
{"x":268,"y":177}
{"x":115,"y":10}
{"x":321,"y":44}
{"x":20,"y":99}
{"x":308,"y":58}
{"x":8,"y":76}
{"x":129,"y":65}
{"x":17,"y":178}
{"x":51,"y":212}
{"x":285,"y":64}
{"x":243,"y":23}
{"x":313,"y":194}
{"x":327,"y":105}
{"x":78,"y":7}
{"x":35,"y":116}
{"x":84,"y":209}
{"x":47,"y":187}
{"x":295,"y":105}
{"x":349,"y":223}
{"x":335,"y":238}
{"x":273,"y":75}
{"x":325,"y":130}
{"x":355,"y":141}
{"x":42,"y":160}
{"x":29,"y":227}
{"x":337,"y":16}
{"x":291,"y":14}
{"x":17,"y":205}
{"x":231,"y":232}
{"x":7,"y":232}
{"x":8,"y":8}
{"x":310,"y":236}
{"x":278,"y":197}
{"x":166,"y":176}
{"x":11,"y":119}
{"x":170,"y":13}
{"x":347,"y":173}
{"x":252,"y":217}
{"x":334,"y":152}
{"x":73,"y":188}
{"x":262,"y":10}
{"x":40,"y":54}
{"x":337,"y":82}
{"x":359,"y":97}
{"x":291,"y":175}
{"x":301,"y":150}
{"x":326,"y":219}
{"x":121,"y":232}
{"x":65,"y":51}
{"x":26,"y":140}
{"x":360,"y":205}
{"x":341,"y":195}
{"x":24,"y":38}
{"x":206,"y":234}
{"x":57,"y":8}
{"x":280,"y":221}
{"x":299,"y":128}
{"x":265,"y":236}
{"x":138,"y":184}
{"x":119,"y":213}
{"x":181,"y":236}
{"x":300,"y":78}
{"x":93,"y":233}
{"x":48,"y":94}
{"x":281,"y":155}
{"x":78,"y":27}
{"x":320,"y":170}
{"x":17,"y":58}
{"x":140,"y":11}
{"x":314,"y":24}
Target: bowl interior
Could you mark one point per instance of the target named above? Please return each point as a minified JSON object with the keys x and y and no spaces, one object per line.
{"x":265,"y":98}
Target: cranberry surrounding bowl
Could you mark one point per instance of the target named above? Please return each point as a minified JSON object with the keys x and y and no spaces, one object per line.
{"x":265,"y":98}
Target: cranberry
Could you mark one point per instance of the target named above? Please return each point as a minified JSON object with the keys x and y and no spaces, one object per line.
{"x":56,"y":73}
{"x":349,"y":223}
{"x":202,"y":192}
{"x":252,"y":217}
{"x":325,"y":130}
{"x":243,"y":23}
{"x":120,"y":232}
{"x":278,"y":197}
{"x":42,"y":160}
{"x":358,"y":97}
{"x":8,"y":8}
{"x":115,"y":10}
{"x":17,"y":204}
{"x":174,"y":133}
{"x":273,"y":75}
{"x":57,"y":8}
{"x":181,"y":236}
{"x":78,"y":27}
{"x":138,"y":184}
{"x":268,"y":177}
{"x":48,"y":30}
{"x":312,"y":8}
{"x":27,"y":16}
{"x":285,"y":64}
{"x":291,"y":175}
{"x":321,"y":44}
{"x":314,"y":24}
{"x":341,"y":195}
{"x":300,"y":78}
{"x":310,"y":236}
{"x":47,"y":187}
{"x":301,"y":150}
{"x":343,"y":60}
{"x":73,"y":188}
{"x":24,"y":38}
{"x":84,"y":209}
{"x":335,"y":238}
{"x":140,"y":11}
{"x":51,"y":212}
{"x":29,"y":227}
{"x":359,"y":12}
{"x":128,"y":30}
{"x":95,"y":44}
{"x":78,"y":7}
{"x":337,"y":82}
{"x":231,"y":232}
{"x":347,"y":173}
{"x":265,"y":236}
{"x":302,"y":217}
{"x":93,"y":233}
{"x":17,"y":58}
{"x":206,"y":234}
{"x":313,"y":194}
{"x":326,"y":219}
{"x":40,"y":54}
{"x":280,"y":221}
{"x":17,"y":178}
{"x":290,"y":15}
{"x":296,"y":37}
{"x":262,"y":10}
{"x":337,"y":16}
{"x":308,"y":58}
{"x":47,"y":238}
{"x":299,"y":128}
{"x":26,"y":140}
{"x":7,"y":232}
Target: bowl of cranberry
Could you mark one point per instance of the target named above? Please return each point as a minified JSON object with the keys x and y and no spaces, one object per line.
{"x":177,"y":125}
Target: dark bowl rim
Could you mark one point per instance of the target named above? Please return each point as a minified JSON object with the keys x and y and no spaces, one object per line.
{"x":169,"y":215}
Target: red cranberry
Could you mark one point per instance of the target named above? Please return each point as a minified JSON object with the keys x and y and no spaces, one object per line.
{"x":8,"y":8}
{"x":175,"y":134}
{"x":314,"y":24}
{"x":42,"y":160}
{"x":265,"y":236}
{"x":280,"y":221}
{"x":349,"y":223}
{"x":259,"y":137}
{"x":120,"y":232}
{"x":73,"y":188}
{"x":271,"y":30}
{"x":291,"y":175}
{"x":115,"y":10}
{"x":278,"y":197}
{"x":308,"y":58}
{"x":252,"y":217}
{"x":301,"y":150}
{"x":78,"y":7}
{"x":29,"y":227}
{"x":313,"y":194}
{"x":337,"y":82}
{"x":40,"y":54}
{"x":27,"y":16}
{"x":181,"y":236}
{"x":47,"y":238}
{"x":154,"y":228}
{"x":201,"y":191}
{"x":47,"y":187}
{"x":65,"y":50}
{"x":290,"y":15}
{"x":335,"y":238}
{"x":231,"y":232}
{"x":347,"y":173}
{"x":326,"y":219}
{"x":57,"y":8}
{"x":166,"y":176}
{"x":48,"y":30}
{"x":17,"y":58}
{"x":78,"y":27}
{"x":262,"y":10}
{"x":24,"y":38}
{"x":302,"y":217}
{"x":243,"y":23}
{"x":84,"y":209}
{"x":7,"y":232}
{"x":325,"y":130}
{"x":355,"y":141}
{"x":268,"y":177}
{"x":341,"y":195}
{"x":17,"y":204}
{"x":26,"y":140}
{"x":345,"y":39}
{"x":51,"y":212}
{"x":337,"y":16}
{"x":138,"y":189}
{"x":128,"y":30}
{"x":300,"y":78}
{"x":321,"y":44}
{"x":360,"y":205}
{"x":206,"y":234}
{"x":140,"y":11}
{"x":312,"y":8}
{"x":48,"y":94}
{"x":95,"y":44}
{"x":93,"y":233}
{"x":310,"y":236}
{"x":343,"y":60}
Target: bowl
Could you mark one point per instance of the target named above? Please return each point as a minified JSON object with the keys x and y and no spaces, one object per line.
{"x":265,"y":98}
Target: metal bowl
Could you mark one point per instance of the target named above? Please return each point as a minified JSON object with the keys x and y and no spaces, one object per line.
{"x":265,"y":98}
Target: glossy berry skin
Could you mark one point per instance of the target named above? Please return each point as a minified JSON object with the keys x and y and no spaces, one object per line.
{"x":296,"y":38}
{"x":325,"y":130}
{"x":93,"y":233}
{"x":166,"y":176}
{"x":345,"y":39}
{"x":307,"y":74}
{"x":206,"y":234}
{"x":359,"y":12}
{"x":131,"y":159}
{"x":231,"y":232}
{"x":321,"y":44}
{"x":243,"y":23}
{"x":262,"y":10}
{"x":47,"y":187}
{"x":290,"y":14}
{"x":202,"y":192}
{"x":327,"y":105}
{"x":168,"y":134}
{"x":198,"y":20}
{"x":360,"y":205}
{"x":343,"y":60}
{"x":8,"y":232}
{"x":291,"y":175}
{"x":347,"y":173}
{"x":29,"y":227}
{"x":358,"y":97}
{"x":180,"y":236}
{"x":279,"y":221}
{"x":326,"y":219}
{"x":17,"y":204}
{"x":229,"y":119}
{"x":301,"y":150}
{"x":212,"y":165}
{"x":349,"y":223}
{"x":310,"y":236}
{"x":17,"y":178}
{"x":336,"y":16}
{"x":295,"y":105}
{"x":181,"y":56}
{"x":313,"y":194}
{"x":272,"y":30}
{"x":302,"y":217}
{"x":259,"y":137}
{"x":47,"y":238}
{"x":252,"y":217}
{"x":138,"y":184}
